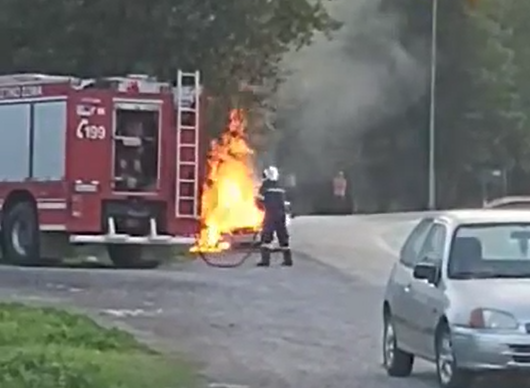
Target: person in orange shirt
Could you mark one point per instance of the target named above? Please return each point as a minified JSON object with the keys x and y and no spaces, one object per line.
{"x":339,"y":192}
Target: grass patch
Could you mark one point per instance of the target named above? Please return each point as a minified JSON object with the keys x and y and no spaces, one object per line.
{"x":50,"y":348}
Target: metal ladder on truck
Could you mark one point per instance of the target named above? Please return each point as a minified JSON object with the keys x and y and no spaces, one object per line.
{"x":188,"y":121}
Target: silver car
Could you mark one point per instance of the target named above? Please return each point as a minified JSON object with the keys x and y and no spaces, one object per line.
{"x":460,"y":296}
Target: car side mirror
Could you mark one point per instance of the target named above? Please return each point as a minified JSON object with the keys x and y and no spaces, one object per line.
{"x":426,"y":271}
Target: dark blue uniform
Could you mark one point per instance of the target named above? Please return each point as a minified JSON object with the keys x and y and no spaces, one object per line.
{"x":273,"y":199}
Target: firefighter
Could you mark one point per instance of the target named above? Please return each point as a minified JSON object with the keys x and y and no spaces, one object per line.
{"x":272,"y":198}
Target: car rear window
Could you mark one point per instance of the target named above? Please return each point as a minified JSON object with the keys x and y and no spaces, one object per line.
{"x":497,"y":248}
{"x":499,"y":241}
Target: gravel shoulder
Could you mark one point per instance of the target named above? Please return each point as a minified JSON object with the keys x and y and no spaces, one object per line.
{"x":308,"y":326}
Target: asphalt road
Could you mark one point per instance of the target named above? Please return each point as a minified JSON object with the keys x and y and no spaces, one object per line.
{"x":315,"y":325}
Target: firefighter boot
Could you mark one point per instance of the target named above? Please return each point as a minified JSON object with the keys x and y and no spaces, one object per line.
{"x":265,"y":257}
{"x":287,"y":258}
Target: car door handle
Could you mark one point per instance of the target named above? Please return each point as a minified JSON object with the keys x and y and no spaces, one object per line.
{"x":407,"y":288}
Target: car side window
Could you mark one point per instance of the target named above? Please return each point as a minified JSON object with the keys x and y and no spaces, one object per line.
{"x":410,"y":253}
{"x":434,"y":244}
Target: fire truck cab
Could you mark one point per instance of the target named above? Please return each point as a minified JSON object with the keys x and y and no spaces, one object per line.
{"x":106,"y":167}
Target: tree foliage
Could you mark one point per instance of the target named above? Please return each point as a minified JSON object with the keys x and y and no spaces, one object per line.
{"x":482,"y":120}
{"x":500,"y":68}
{"x":482,"y":107}
{"x":227,"y":40}
{"x":482,"y":95}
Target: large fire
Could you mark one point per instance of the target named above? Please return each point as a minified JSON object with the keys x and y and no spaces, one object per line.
{"x":228,"y":200}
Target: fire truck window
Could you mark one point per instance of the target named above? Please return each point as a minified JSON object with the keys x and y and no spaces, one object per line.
{"x":49,"y":140}
{"x":15,"y":144}
{"x":136,"y":162}
{"x":136,"y":123}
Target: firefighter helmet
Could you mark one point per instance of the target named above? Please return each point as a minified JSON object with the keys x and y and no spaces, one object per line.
{"x":271,"y":173}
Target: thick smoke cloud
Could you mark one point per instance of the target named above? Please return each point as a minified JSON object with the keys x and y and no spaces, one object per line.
{"x":340,"y":88}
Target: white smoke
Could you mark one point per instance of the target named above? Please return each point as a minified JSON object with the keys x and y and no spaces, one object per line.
{"x":348,"y":84}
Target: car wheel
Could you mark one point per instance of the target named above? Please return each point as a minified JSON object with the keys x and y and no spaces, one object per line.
{"x":447,"y":371}
{"x":397,"y":362}
{"x":21,"y":234}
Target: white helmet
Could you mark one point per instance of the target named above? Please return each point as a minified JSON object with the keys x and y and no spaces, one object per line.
{"x":271,"y":173}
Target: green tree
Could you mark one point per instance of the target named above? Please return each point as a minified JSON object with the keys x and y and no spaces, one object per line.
{"x":227,"y":40}
{"x":499,"y":125}
{"x":455,"y":92}
{"x":482,"y":119}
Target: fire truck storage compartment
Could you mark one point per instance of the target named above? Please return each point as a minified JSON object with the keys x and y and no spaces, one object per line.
{"x":136,"y":147}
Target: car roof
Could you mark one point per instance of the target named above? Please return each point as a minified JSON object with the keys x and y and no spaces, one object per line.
{"x":484,"y":216}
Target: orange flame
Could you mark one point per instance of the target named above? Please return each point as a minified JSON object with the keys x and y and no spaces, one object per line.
{"x":228,"y":197}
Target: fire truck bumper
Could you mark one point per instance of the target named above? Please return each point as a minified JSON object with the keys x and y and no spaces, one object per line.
{"x":112,"y":237}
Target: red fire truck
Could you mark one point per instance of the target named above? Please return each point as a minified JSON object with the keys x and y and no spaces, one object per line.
{"x":110,"y":166}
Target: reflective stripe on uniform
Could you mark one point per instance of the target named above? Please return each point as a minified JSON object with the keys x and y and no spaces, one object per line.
{"x":271,"y":246}
{"x":275,"y":190}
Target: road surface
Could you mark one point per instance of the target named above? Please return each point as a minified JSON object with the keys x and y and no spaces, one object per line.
{"x":315,"y":325}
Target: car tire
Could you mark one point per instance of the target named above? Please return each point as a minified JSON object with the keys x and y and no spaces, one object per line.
{"x":397,"y":362}
{"x":20,"y":234}
{"x":448,"y":374}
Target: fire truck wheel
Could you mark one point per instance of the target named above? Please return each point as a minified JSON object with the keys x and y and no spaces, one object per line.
{"x":21,"y":234}
{"x":129,"y":256}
